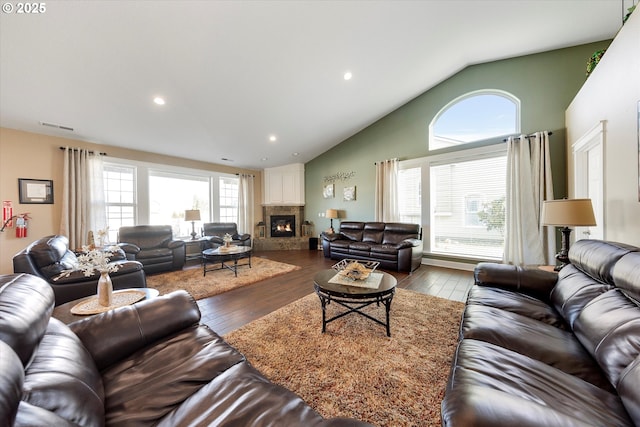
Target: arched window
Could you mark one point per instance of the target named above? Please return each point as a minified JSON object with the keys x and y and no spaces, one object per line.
{"x":475,"y":116}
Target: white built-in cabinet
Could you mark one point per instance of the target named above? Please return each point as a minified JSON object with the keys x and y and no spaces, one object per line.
{"x":284,"y":185}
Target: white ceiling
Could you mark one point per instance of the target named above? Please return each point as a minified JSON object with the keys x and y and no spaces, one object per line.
{"x":235,"y":72}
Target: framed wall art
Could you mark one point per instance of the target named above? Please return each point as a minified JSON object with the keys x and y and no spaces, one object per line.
{"x":327,"y":191}
{"x":35,"y":191}
{"x":349,"y":194}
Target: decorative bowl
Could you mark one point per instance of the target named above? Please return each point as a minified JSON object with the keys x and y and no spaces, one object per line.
{"x":355,"y":269}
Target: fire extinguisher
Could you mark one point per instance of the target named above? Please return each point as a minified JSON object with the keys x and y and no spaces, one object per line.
{"x":21,"y":225}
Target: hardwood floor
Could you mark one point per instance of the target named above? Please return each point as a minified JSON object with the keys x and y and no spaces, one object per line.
{"x":228,"y":311}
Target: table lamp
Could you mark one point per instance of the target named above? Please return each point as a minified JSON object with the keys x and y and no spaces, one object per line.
{"x":331,"y":214}
{"x":565,"y":213}
{"x":192,"y":215}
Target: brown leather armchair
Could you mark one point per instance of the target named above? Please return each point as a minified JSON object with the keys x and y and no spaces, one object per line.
{"x":215,"y":231}
{"x":49,"y":256}
{"x":153,"y":246}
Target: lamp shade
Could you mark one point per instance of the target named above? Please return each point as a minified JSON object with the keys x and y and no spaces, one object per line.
{"x":568,"y":212}
{"x":331,"y":213}
{"x":192,"y":215}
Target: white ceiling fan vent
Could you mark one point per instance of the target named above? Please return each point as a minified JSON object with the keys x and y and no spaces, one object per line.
{"x":53,"y":125}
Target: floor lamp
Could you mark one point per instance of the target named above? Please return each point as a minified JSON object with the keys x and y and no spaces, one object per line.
{"x":567,"y":213}
{"x":331,"y":214}
{"x":193,"y":216}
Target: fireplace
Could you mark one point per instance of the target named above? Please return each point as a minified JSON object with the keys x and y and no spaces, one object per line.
{"x":283,"y":225}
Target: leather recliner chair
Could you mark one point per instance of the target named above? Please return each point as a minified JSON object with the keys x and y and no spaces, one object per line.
{"x":215,"y":231}
{"x":153,"y":246}
{"x":49,"y":256}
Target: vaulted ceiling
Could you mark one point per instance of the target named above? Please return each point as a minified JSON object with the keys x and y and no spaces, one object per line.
{"x":233,"y":74}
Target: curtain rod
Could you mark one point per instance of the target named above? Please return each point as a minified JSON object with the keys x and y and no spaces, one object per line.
{"x":90,"y":151}
{"x":246,"y":174}
{"x":526,"y":136}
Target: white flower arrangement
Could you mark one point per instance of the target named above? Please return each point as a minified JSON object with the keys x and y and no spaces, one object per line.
{"x":93,"y":260}
{"x":227,"y":238}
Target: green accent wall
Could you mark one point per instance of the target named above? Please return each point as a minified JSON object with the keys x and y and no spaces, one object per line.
{"x":545,"y":83}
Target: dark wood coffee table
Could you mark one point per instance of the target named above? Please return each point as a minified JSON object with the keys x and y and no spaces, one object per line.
{"x":354,"y":298}
{"x":221,"y":255}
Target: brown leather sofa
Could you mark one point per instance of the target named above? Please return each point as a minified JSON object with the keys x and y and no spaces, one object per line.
{"x":215,"y":231}
{"x":540,"y":349}
{"x":49,"y":256}
{"x":147,"y":364}
{"x":396,"y":246}
{"x":153,"y":246}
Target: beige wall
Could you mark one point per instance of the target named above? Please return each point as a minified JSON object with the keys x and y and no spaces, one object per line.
{"x":35,"y":156}
{"x":612,"y":93}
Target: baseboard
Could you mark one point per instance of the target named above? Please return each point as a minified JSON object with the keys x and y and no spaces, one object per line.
{"x":448,"y":264}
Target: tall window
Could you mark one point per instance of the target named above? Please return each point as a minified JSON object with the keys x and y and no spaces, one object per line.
{"x":410,"y":195}
{"x":120,"y":202}
{"x":228,"y":199}
{"x":468,"y":188}
{"x":476,"y":116}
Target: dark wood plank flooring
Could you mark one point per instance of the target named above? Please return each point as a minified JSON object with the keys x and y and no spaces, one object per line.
{"x":228,"y":311}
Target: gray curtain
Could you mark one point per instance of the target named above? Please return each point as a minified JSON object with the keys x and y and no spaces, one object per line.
{"x":245,"y":204}
{"x":83,"y":206}
{"x":529,"y":183}
{"x":386,"y":196}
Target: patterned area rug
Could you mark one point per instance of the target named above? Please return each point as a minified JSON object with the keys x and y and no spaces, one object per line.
{"x":217,"y":282}
{"x":355,"y":370}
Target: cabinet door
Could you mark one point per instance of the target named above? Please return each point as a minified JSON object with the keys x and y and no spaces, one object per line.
{"x":290,"y":188}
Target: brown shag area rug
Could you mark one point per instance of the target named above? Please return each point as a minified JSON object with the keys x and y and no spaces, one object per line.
{"x":217,"y":282}
{"x":355,"y":370}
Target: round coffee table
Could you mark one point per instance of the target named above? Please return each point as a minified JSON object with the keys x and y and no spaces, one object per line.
{"x":354,"y":298}
{"x":222,"y":255}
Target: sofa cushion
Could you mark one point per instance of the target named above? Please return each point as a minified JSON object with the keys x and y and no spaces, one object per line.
{"x":395,"y":233}
{"x":597,"y":258}
{"x":373,"y":232}
{"x":11,"y":380}
{"x":493,"y":386}
{"x":360,"y":246}
{"x":629,"y":390}
{"x":573,"y":291}
{"x":516,"y":302}
{"x":609,"y":328}
{"x":144,"y":387}
{"x":554,"y":347}
{"x":626,"y":274}
{"x":22,"y":326}
{"x":63,"y":379}
{"x":241,"y":396}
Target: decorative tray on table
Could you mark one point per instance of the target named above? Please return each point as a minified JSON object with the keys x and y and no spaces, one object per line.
{"x":358,"y":273}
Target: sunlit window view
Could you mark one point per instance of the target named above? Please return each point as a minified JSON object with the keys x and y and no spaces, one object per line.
{"x":410,"y":195}
{"x":119,"y":188}
{"x":475,"y":117}
{"x":171,"y":194}
{"x":467,"y":203}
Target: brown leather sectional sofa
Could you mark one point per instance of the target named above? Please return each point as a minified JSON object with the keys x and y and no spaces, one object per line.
{"x":538,"y":349}
{"x":147,"y":364}
{"x":396,"y":246}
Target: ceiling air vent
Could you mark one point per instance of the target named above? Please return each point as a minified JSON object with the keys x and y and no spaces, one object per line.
{"x":53,"y":125}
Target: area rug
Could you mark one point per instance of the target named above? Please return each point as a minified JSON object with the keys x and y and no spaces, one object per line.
{"x":355,"y":370}
{"x":217,"y":282}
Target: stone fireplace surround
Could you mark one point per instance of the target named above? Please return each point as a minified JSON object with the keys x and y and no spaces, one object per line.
{"x":282,"y":243}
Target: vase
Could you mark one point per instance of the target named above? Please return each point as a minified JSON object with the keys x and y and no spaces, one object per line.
{"x":105,"y":290}
{"x":227,"y":244}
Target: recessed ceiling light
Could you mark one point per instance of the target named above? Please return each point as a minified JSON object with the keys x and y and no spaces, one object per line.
{"x":264,"y":159}
{"x":348,"y":75}
{"x":296,"y":154}
{"x":273,"y":138}
{"x":159,"y":100}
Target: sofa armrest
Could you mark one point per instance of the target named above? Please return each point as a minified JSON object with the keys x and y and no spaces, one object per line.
{"x":241,"y":237}
{"x":330,"y":237}
{"x":116,"y":334}
{"x":174,"y":244}
{"x":529,"y":280}
{"x":129,"y":248}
